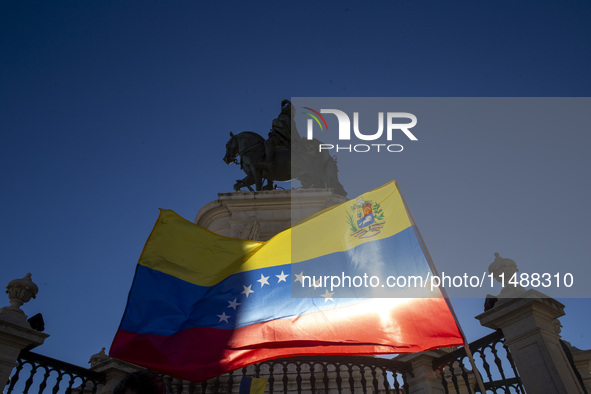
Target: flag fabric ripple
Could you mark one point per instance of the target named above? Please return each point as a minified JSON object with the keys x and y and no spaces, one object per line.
{"x":202,"y":304}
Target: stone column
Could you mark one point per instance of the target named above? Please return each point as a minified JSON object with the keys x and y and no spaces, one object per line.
{"x":425,"y":380}
{"x":15,"y":332}
{"x":529,"y":326}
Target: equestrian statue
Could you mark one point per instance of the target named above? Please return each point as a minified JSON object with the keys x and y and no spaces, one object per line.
{"x":271,"y":159}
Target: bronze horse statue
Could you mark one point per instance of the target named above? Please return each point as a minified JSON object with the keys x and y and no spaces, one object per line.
{"x":312,"y":168}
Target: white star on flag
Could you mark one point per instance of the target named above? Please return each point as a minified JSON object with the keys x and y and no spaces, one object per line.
{"x":223,"y":317}
{"x":282,"y":277}
{"x":233,"y":304}
{"x":247,"y":290}
{"x":299,"y":278}
{"x":327,"y":296}
{"x":264,"y":280}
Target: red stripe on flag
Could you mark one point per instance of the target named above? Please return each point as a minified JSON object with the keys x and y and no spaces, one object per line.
{"x":201,"y":353}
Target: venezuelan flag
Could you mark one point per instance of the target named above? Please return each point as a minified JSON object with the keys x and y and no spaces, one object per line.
{"x":250,"y":385}
{"x":201,"y":304}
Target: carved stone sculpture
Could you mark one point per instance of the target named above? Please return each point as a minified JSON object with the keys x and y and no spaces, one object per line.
{"x":98,"y":358}
{"x":21,"y":290}
{"x":250,"y":230}
{"x":503,"y":270}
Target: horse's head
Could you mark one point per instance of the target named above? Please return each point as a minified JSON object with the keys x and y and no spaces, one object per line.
{"x":231,"y":150}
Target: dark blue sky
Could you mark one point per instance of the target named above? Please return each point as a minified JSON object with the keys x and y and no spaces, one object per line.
{"x":110,"y":110}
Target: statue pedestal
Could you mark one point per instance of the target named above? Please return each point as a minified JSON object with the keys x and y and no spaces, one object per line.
{"x":261,"y":215}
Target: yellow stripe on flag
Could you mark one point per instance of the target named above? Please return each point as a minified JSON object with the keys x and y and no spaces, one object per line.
{"x":328,"y":232}
{"x":189,"y":252}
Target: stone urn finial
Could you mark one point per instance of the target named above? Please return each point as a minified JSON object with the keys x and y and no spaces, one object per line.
{"x":20,"y":291}
{"x":503,"y":269}
{"x":98,"y":358}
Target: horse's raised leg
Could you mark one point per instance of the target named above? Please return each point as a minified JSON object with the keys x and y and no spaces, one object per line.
{"x":242,"y":183}
{"x":246,"y":182}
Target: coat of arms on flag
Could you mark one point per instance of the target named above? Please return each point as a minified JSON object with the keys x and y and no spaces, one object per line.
{"x":365,"y":219}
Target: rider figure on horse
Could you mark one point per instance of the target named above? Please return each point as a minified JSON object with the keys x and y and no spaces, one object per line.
{"x":272,"y":159}
{"x":281,"y":133}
